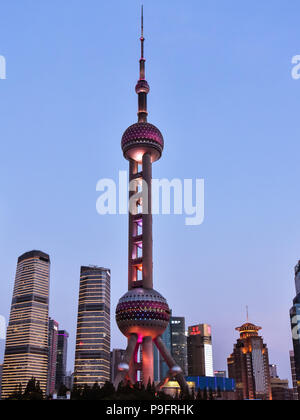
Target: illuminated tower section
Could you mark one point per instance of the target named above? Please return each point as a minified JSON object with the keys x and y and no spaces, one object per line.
{"x":26,"y":351}
{"x":142,"y":313}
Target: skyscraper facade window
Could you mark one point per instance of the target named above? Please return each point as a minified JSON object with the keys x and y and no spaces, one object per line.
{"x":92,"y":357}
{"x":249,"y":365}
{"x":26,"y":351}
{"x":52,"y":339}
{"x":199,"y":351}
{"x":61,"y":360}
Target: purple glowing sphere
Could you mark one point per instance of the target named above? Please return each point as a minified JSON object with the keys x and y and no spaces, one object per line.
{"x":140,"y":138}
{"x":144,"y":312}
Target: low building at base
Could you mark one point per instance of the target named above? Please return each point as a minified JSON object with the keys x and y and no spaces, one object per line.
{"x":216,"y":387}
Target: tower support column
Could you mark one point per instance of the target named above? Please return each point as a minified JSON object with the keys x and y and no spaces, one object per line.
{"x":147,"y":347}
{"x":124,"y":366}
{"x":132,"y":252}
{"x":147,"y":224}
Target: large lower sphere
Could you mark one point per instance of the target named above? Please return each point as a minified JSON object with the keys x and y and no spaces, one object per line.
{"x":143,"y":312}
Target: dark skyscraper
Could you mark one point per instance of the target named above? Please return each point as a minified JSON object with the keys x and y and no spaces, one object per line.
{"x":26,"y":352}
{"x":295,"y":326}
{"x":1,"y":368}
{"x":199,"y":350}
{"x":61,"y":360}
{"x":179,"y":342}
{"x":116,"y":357}
{"x":294,"y":380}
{"x":92,"y":358}
{"x":142,"y":314}
{"x":248,"y":365}
{"x":53,"y":331}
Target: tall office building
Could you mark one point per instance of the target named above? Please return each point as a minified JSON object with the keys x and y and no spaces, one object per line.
{"x":92,"y":358}
{"x":61,"y":360}
{"x":294,"y":380}
{"x":295,"y":326}
{"x":248,"y":365}
{"x":52,"y":340}
{"x":199,"y":351}
{"x":26,"y":352}
{"x":116,"y":357}
{"x":179,"y":342}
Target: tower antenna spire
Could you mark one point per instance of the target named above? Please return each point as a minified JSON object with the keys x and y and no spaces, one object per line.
{"x":142,"y":88}
{"x":247,"y":313}
{"x":142,"y":22}
{"x":142,"y":33}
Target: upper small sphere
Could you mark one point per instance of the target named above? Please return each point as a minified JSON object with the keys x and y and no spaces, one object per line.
{"x":141,"y":138}
{"x":142,"y":87}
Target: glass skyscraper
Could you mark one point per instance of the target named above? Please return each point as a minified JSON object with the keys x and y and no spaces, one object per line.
{"x":92,"y":358}
{"x":179,"y":342}
{"x":26,"y":351}
{"x":295,"y":326}
{"x":61,"y":360}
{"x":52,"y":339}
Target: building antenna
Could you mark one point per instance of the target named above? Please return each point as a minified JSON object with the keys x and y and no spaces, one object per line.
{"x":142,"y":21}
{"x":247,"y":313}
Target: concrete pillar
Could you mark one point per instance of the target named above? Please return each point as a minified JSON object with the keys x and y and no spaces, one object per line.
{"x":147,"y":347}
{"x":174,"y":369}
{"x":147,"y":226}
{"x":132,"y":276}
{"x":124,"y":366}
{"x":133,"y":365}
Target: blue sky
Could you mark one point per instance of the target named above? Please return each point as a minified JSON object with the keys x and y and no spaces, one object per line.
{"x":223,"y":96}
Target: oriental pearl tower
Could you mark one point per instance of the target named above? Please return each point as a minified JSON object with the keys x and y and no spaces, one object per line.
{"x":142,"y":314}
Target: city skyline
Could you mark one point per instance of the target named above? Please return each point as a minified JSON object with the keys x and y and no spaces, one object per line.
{"x":245,"y":250}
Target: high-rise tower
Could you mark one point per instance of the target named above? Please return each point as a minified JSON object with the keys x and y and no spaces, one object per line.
{"x":26,"y":351}
{"x":52,"y":340}
{"x":295,"y":326}
{"x":142,"y":313}
{"x":179,"y":342}
{"x":61,"y":360}
{"x":248,"y":365}
{"x":200,"y":355}
{"x":92,"y":357}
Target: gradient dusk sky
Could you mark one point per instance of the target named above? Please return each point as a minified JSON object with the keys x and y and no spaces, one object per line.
{"x":222,"y":95}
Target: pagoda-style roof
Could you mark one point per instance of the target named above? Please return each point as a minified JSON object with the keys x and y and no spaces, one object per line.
{"x":248,"y":329}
